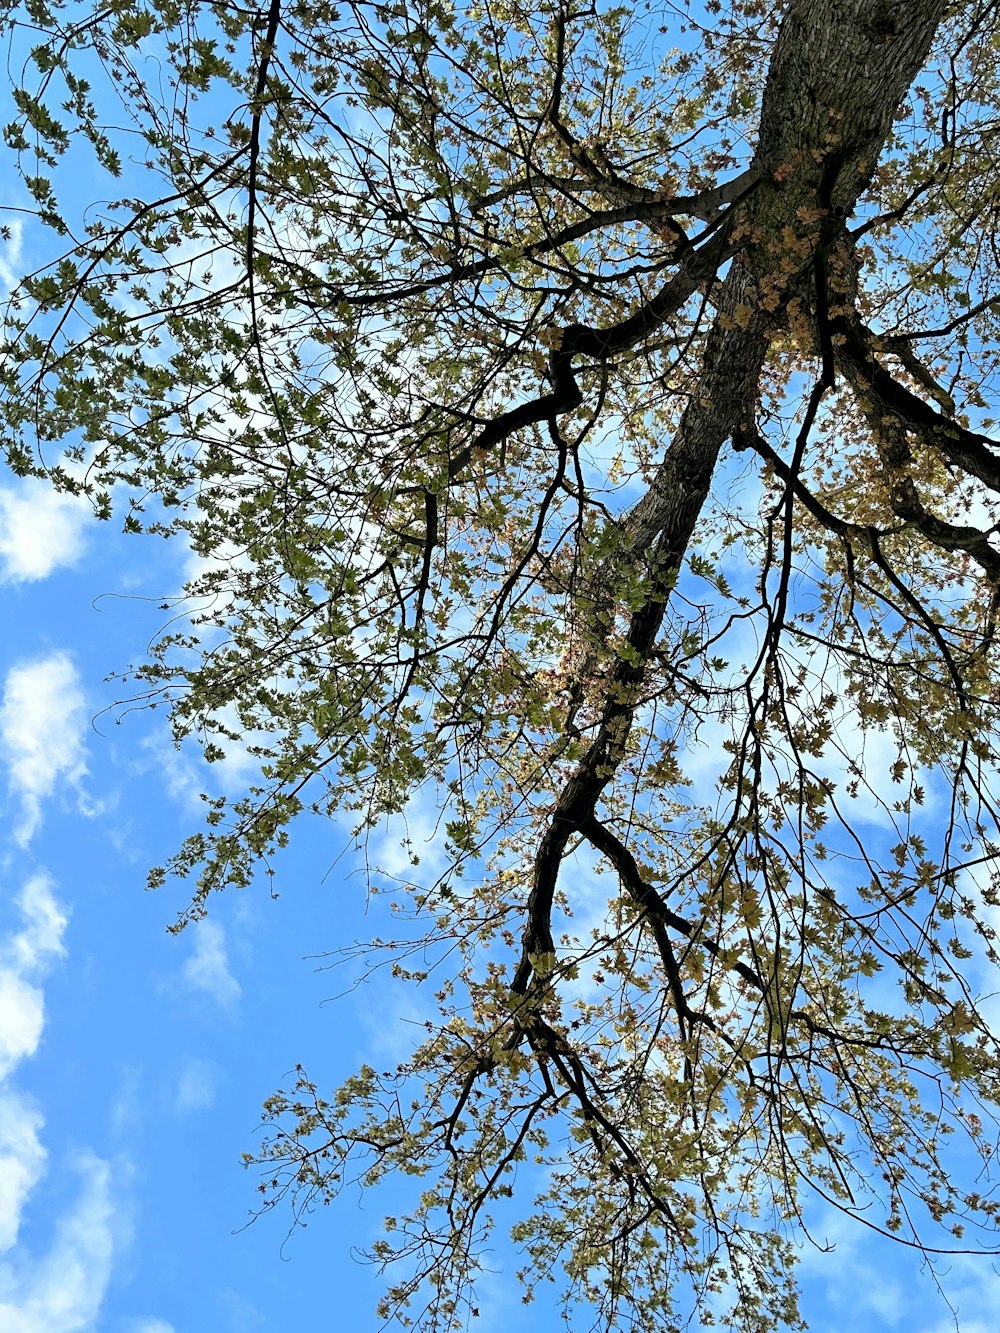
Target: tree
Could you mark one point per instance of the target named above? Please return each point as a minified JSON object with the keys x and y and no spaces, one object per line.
{"x":583,"y":415}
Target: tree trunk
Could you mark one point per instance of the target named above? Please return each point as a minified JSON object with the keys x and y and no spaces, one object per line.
{"x":838,"y":75}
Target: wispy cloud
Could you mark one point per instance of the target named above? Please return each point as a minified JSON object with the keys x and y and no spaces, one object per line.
{"x":22,"y":1161}
{"x":22,"y":1011}
{"x":28,"y":954}
{"x":177,"y":771}
{"x":41,"y":734}
{"x":864,"y":1282}
{"x":239,"y":1315}
{"x":40,"y":939}
{"x":186,"y":775}
{"x":62,"y":1291}
{"x":195,"y":1087}
{"x":11,"y":255}
{"x":207,"y":969}
{"x":150,"y":1324}
{"x":41,"y":530}
{"x":24,"y":959}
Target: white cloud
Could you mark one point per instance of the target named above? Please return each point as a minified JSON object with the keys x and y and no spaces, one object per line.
{"x":11,"y":255}
{"x":392,"y":1018}
{"x":177,"y":771}
{"x":22,"y":1161}
{"x":63,"y":1291}
{"x":195,"y":1087}
{"x":150,"y":1324}
{"x":865,"y":1282}
{"x":416,"y":831}
{"x":239,"y":1315}
{"x":186,"y":775}
{"x":208,"y":967}
{"x":22,"y":1009}
{"x":44,"y":925}
{"x":971,"y":1285}
{"x":41,"y":529}
{"x":41,"y":734}
{"x":22,"y":1016}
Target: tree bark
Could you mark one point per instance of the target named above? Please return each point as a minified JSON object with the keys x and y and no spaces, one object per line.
{"x":839,"y":72}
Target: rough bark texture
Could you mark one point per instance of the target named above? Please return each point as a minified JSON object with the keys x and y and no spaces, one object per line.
{"x":837,"y":76}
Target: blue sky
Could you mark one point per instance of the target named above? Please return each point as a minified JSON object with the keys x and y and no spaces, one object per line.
{"x":133,"y":1062}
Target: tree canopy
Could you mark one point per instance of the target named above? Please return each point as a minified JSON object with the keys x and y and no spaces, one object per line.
{"x":582,"y":413}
